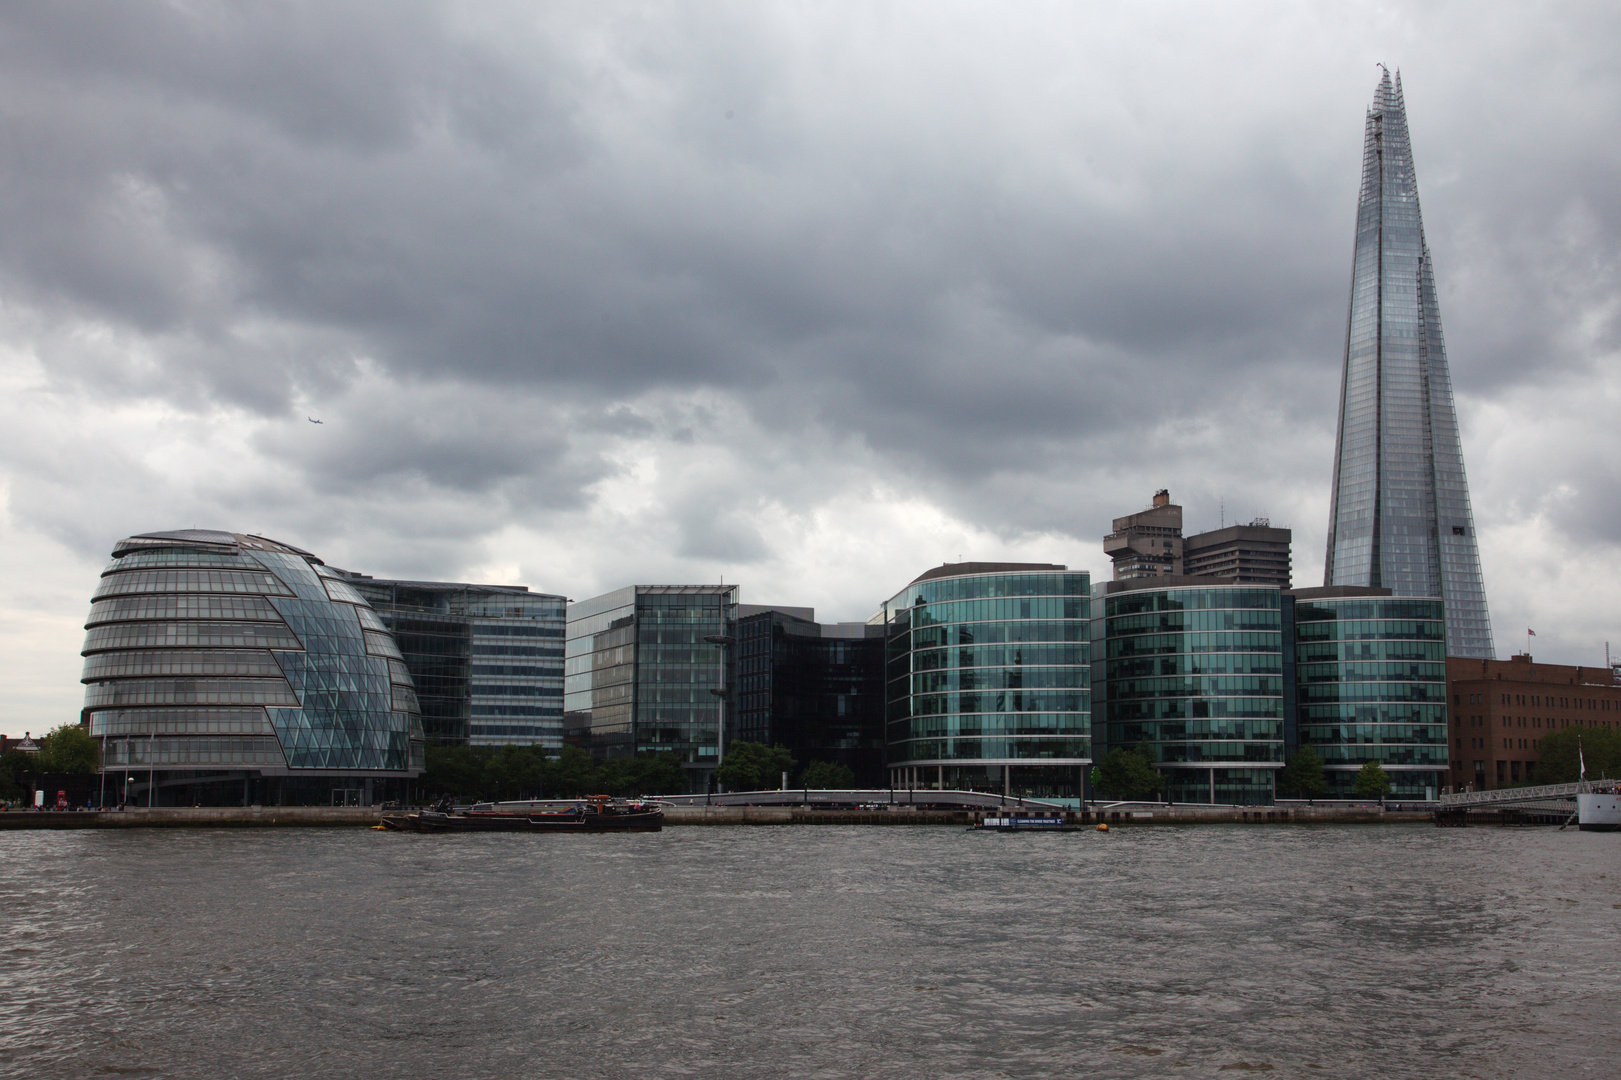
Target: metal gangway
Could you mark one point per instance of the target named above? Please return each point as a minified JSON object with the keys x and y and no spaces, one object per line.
{"x":899,"y":798}
{"x":1546,"y":797}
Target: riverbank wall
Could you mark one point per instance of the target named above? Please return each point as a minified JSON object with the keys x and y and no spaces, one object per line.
{"x":185,"y":817}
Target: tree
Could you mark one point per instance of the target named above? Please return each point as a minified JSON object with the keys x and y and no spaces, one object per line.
{"x":1601,"y":747}
{"x":824,"y":775}
{"x":572,"y":774}
{"x":68,"y":749}
{"x":14,"y":765}
{"x":750,"y":766}
{"x":1128,"y":774}
{"x":645,"y":774}
{"x":1372,"y":782}
{"x":1303,"y":776}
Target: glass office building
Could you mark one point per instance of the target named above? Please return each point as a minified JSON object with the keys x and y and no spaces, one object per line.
{"x":1194,"y":673}
{"x":816,"y":689}
{"x":648,"y":669}
{"x":1370,"y":674}
{"x":229,"y":669}
{"x":487,"y":659}
{"x":1399,"y":514}
{"x":988,"y":679}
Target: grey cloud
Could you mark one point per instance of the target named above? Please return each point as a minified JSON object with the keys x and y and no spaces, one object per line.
{"x":1026,"y":264}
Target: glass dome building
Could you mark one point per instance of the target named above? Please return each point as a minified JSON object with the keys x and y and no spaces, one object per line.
{"x":226,"y":669}
{"x":988,"y":679}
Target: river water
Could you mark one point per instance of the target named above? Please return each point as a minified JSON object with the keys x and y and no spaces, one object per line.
{"x":1221,"y":951}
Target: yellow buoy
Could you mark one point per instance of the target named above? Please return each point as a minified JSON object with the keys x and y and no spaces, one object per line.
{"x":1102,"y":827}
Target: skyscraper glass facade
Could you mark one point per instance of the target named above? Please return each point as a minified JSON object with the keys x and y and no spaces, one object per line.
{"x":988,"y":679}
{"x":641,"y":669}
{"x":1370,"y":677}
{"x":487,"y":659}
{"x":1399,"y":514}
{"x":228,"y":667}
{"x":1195,"y":675}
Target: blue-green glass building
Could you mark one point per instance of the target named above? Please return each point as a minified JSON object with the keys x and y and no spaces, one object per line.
{"x":223,"y":669}
{"x":1193,"y":671}
{"x":1370,"y":685}
{"x":988,"y":679}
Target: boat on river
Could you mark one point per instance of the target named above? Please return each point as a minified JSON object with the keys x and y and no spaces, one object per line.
{"x":1026,"y":823}
{"x":1599,"y":811}
{"x":598,"y":813}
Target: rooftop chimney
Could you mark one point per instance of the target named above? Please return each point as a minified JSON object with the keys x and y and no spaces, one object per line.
{"x":1162,"y":497}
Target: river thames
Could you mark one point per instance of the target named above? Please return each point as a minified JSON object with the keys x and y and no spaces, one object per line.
{"x":1385,"y":951}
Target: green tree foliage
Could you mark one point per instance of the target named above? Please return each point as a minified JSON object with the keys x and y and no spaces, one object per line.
{"x":1372,"y":781}
{"x":823,"y":775}
{"x":1559,"y":765}
{"x":1303,"y":777}
{"x":68,"y":749}
{"x":14,"y":765}
{"x":1128,"y":774}
{"x":526,"y":772}
{"x":751,"y":766}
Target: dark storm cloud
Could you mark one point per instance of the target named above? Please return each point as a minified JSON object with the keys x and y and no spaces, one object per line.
{"x":1026,"y":255}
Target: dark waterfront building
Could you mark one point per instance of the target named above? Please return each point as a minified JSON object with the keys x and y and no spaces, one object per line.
{"x":1149,"y":544}
{"x":1399,"y":516}
{"x":227,"y":669}
{"x":988,"y":679}
{"x":817,"y":689}
{"x":648,"y":669}
{"x":487,"y":659}
{"x":1501,"y":709}
{"x":1371,"y":685}
{"x":1193,"y":670}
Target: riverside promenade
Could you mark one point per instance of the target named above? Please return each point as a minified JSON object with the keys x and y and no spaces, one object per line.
{"x":229,"y":817}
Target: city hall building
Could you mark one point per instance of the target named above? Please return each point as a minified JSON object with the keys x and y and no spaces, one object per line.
{"x":229,"y":669}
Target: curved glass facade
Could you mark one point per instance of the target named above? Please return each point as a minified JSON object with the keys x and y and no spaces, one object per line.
{"x":988,"y":680}
{"x":1195,"y":675}
{"x":221,"y":668}
{"x":1370,"y":678}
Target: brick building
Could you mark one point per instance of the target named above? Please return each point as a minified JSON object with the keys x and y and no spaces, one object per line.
{"x":1500,"y":708}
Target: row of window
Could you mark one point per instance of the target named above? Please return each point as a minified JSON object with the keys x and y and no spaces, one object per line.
{"x":1190,"y":600}
{"x":204,"y":581}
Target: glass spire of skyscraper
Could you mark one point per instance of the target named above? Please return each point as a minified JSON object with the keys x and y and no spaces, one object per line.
{"x":1399,"y":516}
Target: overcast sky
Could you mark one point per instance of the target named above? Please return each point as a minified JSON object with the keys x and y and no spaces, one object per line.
{"x":810,"y":296}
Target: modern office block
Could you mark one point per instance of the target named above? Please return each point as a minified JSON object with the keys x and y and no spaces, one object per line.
{"x":487,"y":659}
{"x":1399,"y":515}
{"x":1149,"y":544}
{"x":816,"y":689}
{"x":648,"y":669}
{"x":988,"y":679}
{"x":1193,"y":671}
{"x":1253,"y":554}
{"x":1371,"y":685}
{"x":227,"y":669}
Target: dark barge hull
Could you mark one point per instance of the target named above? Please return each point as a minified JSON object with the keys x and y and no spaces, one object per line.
{"x":430,"y":821}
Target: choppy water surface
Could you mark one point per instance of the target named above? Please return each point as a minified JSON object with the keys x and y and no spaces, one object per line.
{"x":809,"y":952}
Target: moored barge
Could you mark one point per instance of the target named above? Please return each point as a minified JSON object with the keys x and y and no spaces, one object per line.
{"x":598,"y":813}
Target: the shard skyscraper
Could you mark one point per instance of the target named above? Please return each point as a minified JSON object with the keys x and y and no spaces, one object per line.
{"x":1399,"y":516}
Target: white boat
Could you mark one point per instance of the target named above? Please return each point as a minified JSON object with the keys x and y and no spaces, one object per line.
{"x":1599,"y":811}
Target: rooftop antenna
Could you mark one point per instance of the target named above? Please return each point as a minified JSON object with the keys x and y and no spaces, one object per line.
{"x":1223,"y":505}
